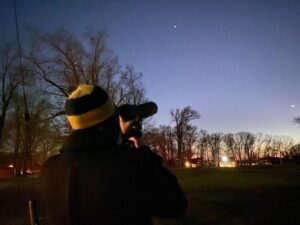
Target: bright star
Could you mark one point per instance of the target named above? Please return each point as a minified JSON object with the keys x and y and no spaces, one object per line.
{"x":174,"y":26}
{"x":293,"y":106}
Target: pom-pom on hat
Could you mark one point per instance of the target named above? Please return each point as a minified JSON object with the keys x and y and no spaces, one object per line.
{"x":88,"y":106}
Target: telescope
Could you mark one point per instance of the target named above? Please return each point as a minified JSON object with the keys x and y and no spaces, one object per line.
{"x":137,"y":113}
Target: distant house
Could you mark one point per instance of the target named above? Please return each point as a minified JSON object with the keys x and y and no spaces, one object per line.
{"x":7,"y":166}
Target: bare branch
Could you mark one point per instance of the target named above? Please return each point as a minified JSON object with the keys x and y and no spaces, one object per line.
{"x":297,"y":120}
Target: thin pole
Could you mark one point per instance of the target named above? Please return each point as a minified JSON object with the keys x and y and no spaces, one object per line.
{"x":26,"y":113}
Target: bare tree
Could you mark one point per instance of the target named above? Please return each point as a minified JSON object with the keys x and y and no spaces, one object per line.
{"x":295,"y":150}
{"x":203,"y":145}
{"x":14,"y":133}
{"x":267,"y":145}
{"x":215,"y":140}
{"x":171,"y":148}
{"x":182,"y":118}
{"x":230,"y":144}
{"x":152,"y":139}
{"x":130,"y":89}
{"x":297,"y":120}
{"x":244,"y":143}
{"x":167,"y":144}
{"x":286,"y":145}
{"x":48,"y":144}
{"x":22,"y":144}
{"x":239,"y":140}
{"x":58,"y":60}
{"x":275,"y":146}
{"x":248,"y":146}
{"x":61,"y":61}
{"x":10,"y":79}
{"x":161,"y":144}
{"x":260,"y":140}
{"x":190,"y":137}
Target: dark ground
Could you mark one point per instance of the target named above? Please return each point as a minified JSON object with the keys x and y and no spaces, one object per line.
{"x":241,"y":196}
{"x":238,"y":196}
{"x":15,"y":194}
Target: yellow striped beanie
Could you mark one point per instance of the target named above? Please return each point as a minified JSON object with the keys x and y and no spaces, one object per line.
{"x":88,"y":106}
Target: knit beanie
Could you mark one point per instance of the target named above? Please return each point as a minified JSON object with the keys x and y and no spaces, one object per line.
{"x":88,"y":106}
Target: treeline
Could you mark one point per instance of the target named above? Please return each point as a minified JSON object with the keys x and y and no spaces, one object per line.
{"x":181,"y":141}
{"x":36,"y":79}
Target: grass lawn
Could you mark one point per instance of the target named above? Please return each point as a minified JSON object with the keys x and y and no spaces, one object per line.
{"x":241,"y":196}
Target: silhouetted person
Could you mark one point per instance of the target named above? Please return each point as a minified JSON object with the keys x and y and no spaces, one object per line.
{"x":96,"y":180}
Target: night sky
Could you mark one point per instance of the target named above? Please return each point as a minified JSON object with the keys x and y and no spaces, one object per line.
{"x":236,"y":62}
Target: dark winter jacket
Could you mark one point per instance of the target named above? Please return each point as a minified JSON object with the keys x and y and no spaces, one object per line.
{"x":95,"y":182}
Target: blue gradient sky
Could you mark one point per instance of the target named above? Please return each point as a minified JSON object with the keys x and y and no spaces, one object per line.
{"x":236,"y":62}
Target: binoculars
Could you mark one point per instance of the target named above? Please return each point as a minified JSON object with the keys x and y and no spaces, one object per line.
{"x":137,"y":113}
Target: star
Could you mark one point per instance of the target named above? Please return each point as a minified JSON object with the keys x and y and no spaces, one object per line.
{"x":174,"y":26}
{"x":293,"y":106}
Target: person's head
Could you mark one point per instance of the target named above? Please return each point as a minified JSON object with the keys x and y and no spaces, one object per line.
{"x":89,"y":106}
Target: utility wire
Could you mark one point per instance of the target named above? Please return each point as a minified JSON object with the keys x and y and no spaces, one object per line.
{"x":26,"y":113}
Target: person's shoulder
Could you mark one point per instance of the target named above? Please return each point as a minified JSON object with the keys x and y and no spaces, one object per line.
{"x":55,"y":162}
{"x":51,"y":160}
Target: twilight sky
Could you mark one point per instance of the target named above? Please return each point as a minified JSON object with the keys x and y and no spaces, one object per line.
{"x":237,"y":62}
